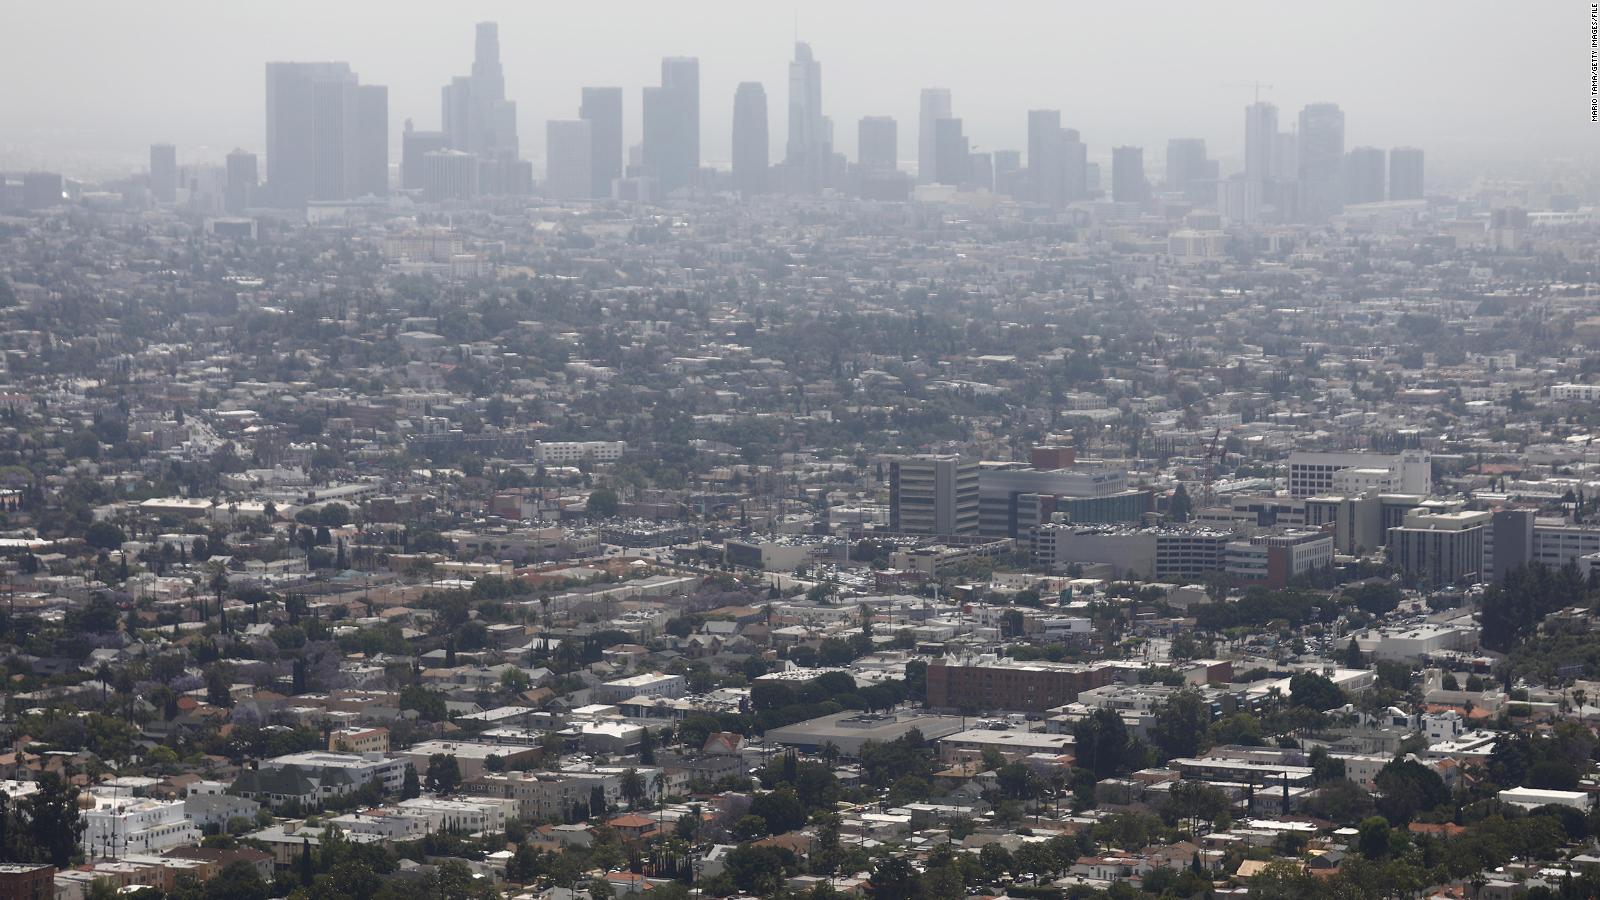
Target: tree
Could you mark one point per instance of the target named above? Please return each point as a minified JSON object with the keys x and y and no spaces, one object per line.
{"x":53,"y":820}
{"x":1179,"y":506}
{"x":647,"y":748}
{"x":1315,"y":691}
{"x":632,"y":787}
{"x":444,"y":774}
{"x":238,"y":880}
{"x":602,"y":503}
{"x":412,"y":787}
{"x":1102,"y":742}
{"x":104,"y":536}
{"x":1406,"y":788}
{"x":893,"y":878}
{"x":1181,"y":724}
{"x":762,"y":870}
{"x":1374,"y":837}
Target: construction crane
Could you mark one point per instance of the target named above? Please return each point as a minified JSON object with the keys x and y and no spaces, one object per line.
{"x":1253,"y":85}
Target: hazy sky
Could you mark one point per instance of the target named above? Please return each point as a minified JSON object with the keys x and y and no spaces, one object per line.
{"x":86,"y":85}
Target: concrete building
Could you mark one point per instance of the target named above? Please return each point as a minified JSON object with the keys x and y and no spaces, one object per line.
{"x":1274,"y":560}
{"x":1165,"y":553}
{"x":931,"y":494}
{"x":988,"y":682}
{"x":1440,"y":549}
{"x":848,"y":731}
{"x":1313,"y":473}
{"x":1013,"y":498}
{"x":568,"y":157}
{"x":117,"y":826}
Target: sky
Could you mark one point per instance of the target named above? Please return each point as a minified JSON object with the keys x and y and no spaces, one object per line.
{"x":89,"y":84}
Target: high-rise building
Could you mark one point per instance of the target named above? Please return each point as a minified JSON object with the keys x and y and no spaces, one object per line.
{"x":1046,"y":168}
{"x":1363,"y":175}
{"x":1321,"y":146}
{"x":240,"y":192}
{"x":935,"y":106}
{"x":1074,"y":166}
{"x":602,"y":109}
{"x":1405,"y":174}
{"x":1128,"y":184}
{"x":671,"y":146}
{"x":931,"y":494}
{"x":568,"y":156}
{"x":1007,"y":166}
{"x":413,"y":145}
{"x":810,"y":146}
{"x":751,"y":153}
{"x":372,"y":163}
{"x":1187,"y":164}
{"x":164,"y":173}
{"x":878,"y":143}
{"x":952,"y":159}
{"x":477,"y":118}
{"x":1260,"y":134}
{"x":449,"y":175}
{"x":313,"y":132}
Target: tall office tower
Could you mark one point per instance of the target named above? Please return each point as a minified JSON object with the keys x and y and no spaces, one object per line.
{"x":980,"y":170}
{"x":568,"y":157}
{"x":313,"y":131}
{"x":1321,"y":161}
{"x":1405,"y":174}
{"x":1363,"y":175}
{"x":952,"y":160}
{"x":455,"y":113}
{"x":449,"y":175}
{"x":1128,"y":184}
{"x":1007,"y":164}
{"x":1046,"y":168}
{"x":336,"y":133}
{"x":164,"y":173}
{"x":477,"y":118}
{"x":240,"y":192}
{"x":372,"y":164}
{"x":935,"y":106}
{"x":1187,"y":163}
{"x":671,"y":146}
{"x":602,"y":109}
{"x":1286,"y":157}
{"x":932,"y":494}
{"x":413,"y":144}
{"x":1074,"y":166}
{"x":1260,"y":133}
{"x":810,"y":146}
{"x":878,"y":144}
{"x":1239,"y":198}
{"x":751,"y":154}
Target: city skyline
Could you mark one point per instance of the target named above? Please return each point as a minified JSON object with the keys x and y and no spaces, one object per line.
{"x":1390,"y":96}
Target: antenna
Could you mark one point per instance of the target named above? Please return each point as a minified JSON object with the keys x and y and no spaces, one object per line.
{"x":1255,"y":86}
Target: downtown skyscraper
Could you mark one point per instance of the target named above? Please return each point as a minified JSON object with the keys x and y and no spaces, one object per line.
{"x":602,"y":109}
{"x":750,"y":140}
{"x":477,"y":118}
{"x":323,"y":133}
{"x":1321,"y":152}
{"x":935,"y":105}
{"x":810,"y":145}
{"x":671,"y":147}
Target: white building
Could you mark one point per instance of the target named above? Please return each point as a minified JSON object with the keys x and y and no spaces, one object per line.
{"x":118,"y":826}
{"x":1311,"y":474}
{"x":566,"y":453}
{"x":1532,"y":798}
{"x":650,"y":684}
